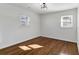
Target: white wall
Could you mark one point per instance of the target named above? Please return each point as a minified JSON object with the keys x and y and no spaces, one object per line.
{"x":78,"y":28}
{"x":11,"y":31}
{"x":50,"y":26}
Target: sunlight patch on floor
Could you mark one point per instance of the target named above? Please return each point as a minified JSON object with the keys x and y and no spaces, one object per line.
{"x":35,"y":46}
{"x":30,"y":47}
{"x":24,"y":48}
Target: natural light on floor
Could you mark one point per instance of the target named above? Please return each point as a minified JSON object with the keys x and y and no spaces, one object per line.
{"x":24,"y":48}
{"x":30,"y":47}
{"x":34,"y":46}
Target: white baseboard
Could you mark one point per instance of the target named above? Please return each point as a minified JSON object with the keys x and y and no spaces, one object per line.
{"x":30,"y":39}
{"x":18,"y":42}
{"x":59,"y":38}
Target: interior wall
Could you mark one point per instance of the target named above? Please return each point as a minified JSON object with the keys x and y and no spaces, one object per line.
{"x":78,"y":28}
{"x":50,"y":25}
{"x":11,"y":30}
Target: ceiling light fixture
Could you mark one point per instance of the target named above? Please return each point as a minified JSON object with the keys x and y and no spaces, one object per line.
{"x":43,"y":6}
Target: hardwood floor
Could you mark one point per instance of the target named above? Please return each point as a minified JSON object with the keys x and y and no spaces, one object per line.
{"x":49,"y":47}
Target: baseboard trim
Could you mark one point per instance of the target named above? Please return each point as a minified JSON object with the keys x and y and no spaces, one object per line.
{"x":57,"y":39}
{"x":18,"y":43}
{"x":32,"y":39}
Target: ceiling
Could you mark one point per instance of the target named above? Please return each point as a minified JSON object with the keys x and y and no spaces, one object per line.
{"x":52,"y":7}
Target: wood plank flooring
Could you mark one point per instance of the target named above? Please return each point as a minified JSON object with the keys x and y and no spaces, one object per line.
{"x":50,"y":47}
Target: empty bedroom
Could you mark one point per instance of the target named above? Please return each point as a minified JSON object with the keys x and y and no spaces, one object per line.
{"x":39,"y":28}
